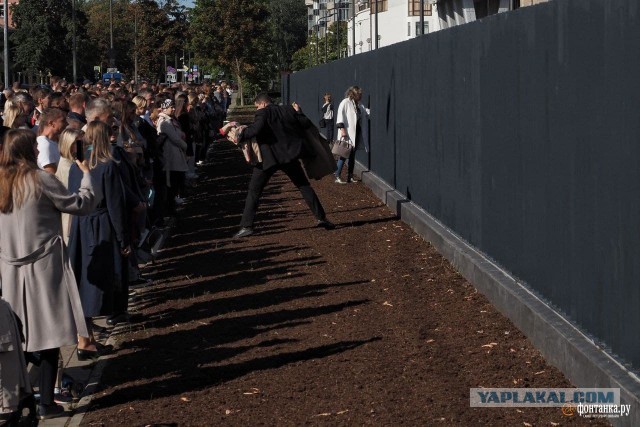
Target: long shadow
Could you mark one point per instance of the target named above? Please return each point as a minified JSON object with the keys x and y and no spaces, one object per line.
{"x":200,"y":346}
{"x":240,"y":303}
{"x":199,"y":377}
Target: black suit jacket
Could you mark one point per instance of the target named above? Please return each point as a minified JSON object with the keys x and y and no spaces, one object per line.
{"x":280,"y":132}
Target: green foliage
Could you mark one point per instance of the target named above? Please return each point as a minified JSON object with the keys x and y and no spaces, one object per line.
{"x":289,"y":29}
{"x":318,"y":49}
{"x":235,"y":33}
{"x":42,"y":41}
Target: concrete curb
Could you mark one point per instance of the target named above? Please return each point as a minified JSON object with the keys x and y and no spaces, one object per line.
{"x":560,"y":342}
{"x":82,"y":407}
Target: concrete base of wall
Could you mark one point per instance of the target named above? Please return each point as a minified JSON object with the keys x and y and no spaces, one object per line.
{"x":560,"y":342}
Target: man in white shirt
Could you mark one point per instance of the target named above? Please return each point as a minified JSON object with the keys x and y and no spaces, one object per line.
{"x":52,"y":123}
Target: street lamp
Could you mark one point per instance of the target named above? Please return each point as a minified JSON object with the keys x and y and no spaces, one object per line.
{"x":74,"y":51}
{"x":6,"y":44}
{"x":112,"y":53}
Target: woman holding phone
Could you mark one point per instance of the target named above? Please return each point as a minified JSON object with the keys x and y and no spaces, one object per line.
{"x":35,"y":275}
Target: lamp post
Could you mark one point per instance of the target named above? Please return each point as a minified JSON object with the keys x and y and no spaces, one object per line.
{"x":422,"y":17}
{"x":135,"y":43}
{"x":376,"y":18}
{"x":74,"y":46}
{"x":6,"y":43}
{"x":326,"y":35}
{"x":353,"y":29}
{"x":338,"y":31}
{"x":112,"y":53}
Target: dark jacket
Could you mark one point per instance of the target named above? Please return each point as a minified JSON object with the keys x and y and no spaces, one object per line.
{"x":96,"y":240}
{"x":280,"y":132}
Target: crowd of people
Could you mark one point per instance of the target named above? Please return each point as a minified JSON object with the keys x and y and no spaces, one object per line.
{"x":85,"y":171}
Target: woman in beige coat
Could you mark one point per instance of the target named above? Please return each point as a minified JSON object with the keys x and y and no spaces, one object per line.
{"x":35,"y":274}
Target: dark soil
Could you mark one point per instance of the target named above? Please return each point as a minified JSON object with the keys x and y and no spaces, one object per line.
{"x":363,"y":325}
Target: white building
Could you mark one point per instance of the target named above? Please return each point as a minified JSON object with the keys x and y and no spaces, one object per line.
{"x":322,"y":13}
{"x":399,"y":20}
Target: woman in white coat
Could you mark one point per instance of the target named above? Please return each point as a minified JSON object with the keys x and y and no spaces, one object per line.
{"x":35,"y":272}
{"x":350,"y":123}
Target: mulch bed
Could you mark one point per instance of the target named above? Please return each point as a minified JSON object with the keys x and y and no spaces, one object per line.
{"x":363,"y":325}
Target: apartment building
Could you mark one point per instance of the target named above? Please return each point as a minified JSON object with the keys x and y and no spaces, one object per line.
{"x":322,"y":13}
{"x":399,"y":20}
{"x":457,"y":12}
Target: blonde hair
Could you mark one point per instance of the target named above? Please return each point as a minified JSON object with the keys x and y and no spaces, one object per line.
{"x":140,"y":102}
{"x":67,"y":140}
{"x":11,"y":113}
{"x":97,"y":135}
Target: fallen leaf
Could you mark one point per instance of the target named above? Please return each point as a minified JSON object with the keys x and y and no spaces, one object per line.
{"x":430,"y":341}
{"x":490,"y":345}
{"x":252,"y":391}
{"x":527,"y":424}
{"x":554,"y":424}
{"x":185,"y":399}
{"x":539,"y":372}
{"x":324,"y":414}
{"x":342,"y":412}
{"x":387,"y":303}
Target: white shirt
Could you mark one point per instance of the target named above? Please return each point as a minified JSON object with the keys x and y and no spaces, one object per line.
{"x":48,"y":152}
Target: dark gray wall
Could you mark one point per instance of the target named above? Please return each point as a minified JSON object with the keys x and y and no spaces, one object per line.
{"x":521,"y":132}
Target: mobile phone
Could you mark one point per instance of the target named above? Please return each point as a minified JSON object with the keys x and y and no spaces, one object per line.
{"x":79,"y":151}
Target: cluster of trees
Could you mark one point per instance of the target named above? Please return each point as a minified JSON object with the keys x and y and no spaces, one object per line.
{"x":319,"y":50}
{"x":42,"y":42}
{"x":253,"y":40}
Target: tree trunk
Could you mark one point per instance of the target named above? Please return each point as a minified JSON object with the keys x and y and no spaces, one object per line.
{"x":240,"y":82}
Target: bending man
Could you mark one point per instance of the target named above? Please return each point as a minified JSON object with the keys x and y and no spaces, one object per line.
{"x":279,"y":131}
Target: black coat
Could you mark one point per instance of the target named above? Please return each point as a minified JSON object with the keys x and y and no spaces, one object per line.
{"x":280,"y":133}
{"x":96,"y":240}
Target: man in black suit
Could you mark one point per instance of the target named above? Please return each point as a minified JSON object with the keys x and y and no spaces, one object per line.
{"x":279,"y":131}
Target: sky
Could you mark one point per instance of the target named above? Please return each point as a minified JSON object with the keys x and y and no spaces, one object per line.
{"x":188,"y":3}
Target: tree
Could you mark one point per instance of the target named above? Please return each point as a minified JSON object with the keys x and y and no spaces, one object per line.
{"x":310,"y":55}
{"x":99,"y":35}
{"x":151,"y":24}
{"x":289,"y":28}
{"x":42,"y":40}
{"x":236,"y":34}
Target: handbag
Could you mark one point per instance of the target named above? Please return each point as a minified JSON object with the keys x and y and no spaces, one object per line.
{"x":342,"y":148}
{"x":322,"y":123}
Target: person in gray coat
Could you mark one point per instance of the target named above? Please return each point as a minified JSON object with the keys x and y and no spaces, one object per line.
{"x":35,"y":274}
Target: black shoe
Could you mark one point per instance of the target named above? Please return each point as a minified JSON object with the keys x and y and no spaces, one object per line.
{"x":50,"y":411}
{"x":84,"y":355}
{"x":117,"y":318}
{"x":326,"y":224}
{"x":244,"y":232}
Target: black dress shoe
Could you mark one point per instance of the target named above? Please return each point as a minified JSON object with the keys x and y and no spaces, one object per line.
{"x":84,"y":355}
{"x":244,"y":232}
{"x":326,"y":224}
{"x":117,"y":318}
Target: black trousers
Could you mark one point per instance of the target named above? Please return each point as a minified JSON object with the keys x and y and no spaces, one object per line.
{"x":259,"y":180}
{"x":48,"y":374}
